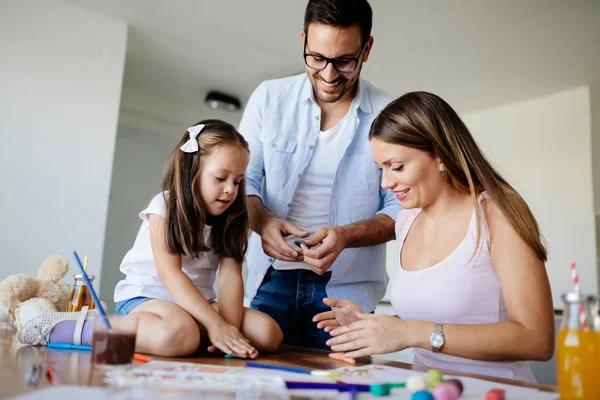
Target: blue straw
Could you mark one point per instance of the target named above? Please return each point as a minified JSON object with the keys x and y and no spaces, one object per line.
{"x":96,"y":301}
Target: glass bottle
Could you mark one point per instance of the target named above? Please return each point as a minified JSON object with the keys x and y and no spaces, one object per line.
{"x":578,"y":348}
{"x":81,"y":295}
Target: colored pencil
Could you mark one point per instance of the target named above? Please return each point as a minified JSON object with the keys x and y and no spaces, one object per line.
{"x":327,"y":386}
{"x":141,"y":357}
{"x":51,"y":376}
{"x":279,"y":368}
{"x":68,"y":346}
{"x":340,"y":356}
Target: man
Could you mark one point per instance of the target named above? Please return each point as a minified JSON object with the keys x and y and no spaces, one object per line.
{"x":312,"y":175}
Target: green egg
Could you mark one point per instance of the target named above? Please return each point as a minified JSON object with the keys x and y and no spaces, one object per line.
{"x":433,"y":378}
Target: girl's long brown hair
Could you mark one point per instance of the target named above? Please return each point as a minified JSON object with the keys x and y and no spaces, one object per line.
{"x":185,"y":212}
{"x":426,"y":122}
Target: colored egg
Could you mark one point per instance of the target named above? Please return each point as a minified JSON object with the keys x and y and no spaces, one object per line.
{"x":416,"y":383}
{"x":456,"y":383}
{"x":422,"y":395}
{"x":433,"y":378}
{"x":446,"y":391}
{"x":495,"y":394}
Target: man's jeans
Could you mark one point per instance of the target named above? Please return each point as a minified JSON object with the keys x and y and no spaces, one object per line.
{"x":292,"y":298}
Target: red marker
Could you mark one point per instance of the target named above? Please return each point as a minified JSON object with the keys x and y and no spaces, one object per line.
{"x":52,"y":378}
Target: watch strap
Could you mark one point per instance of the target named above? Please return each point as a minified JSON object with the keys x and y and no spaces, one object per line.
{"x":439,"y":329}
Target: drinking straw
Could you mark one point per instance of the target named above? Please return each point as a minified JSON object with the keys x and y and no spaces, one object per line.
{"x":577,"y":290}
{"x":93,"y":292}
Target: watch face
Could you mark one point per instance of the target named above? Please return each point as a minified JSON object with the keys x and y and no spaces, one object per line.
{"x":436,"y":340}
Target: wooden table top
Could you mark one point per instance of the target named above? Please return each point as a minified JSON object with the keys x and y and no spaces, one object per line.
{"x":74,"y":367}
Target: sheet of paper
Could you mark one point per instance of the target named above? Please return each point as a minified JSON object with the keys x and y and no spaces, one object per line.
{"x":68,"y":392}
{"x":191,"y":376}
{"x":369,"y":374}
{"x":134,"y":393}
{"x":474,"y":388}
{"x":166,"y":374}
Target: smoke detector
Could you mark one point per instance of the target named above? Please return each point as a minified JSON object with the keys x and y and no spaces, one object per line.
{"x":224,"y":101}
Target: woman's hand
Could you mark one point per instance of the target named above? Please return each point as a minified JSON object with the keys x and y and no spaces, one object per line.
{"x":343,"y":315}
{"x":371,"y":334}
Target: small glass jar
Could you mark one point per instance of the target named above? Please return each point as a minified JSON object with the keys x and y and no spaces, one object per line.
{"x":115,"y":345}
{"x":578,"y":348}
{"x":81,"y":295}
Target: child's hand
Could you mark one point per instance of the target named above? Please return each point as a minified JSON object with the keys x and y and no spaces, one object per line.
{"x":229,"y":340}
{"x":344,"y":315}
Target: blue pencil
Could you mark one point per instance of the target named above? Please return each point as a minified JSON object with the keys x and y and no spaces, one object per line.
{"x":279,"y":368}
{"x":93,"y":292}
{"x":68,"y":346}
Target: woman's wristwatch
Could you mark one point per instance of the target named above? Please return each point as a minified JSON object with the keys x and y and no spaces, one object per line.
{"x":436,"y":340}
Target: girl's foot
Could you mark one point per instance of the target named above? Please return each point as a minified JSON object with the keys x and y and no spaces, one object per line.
{"x":59,"y":327}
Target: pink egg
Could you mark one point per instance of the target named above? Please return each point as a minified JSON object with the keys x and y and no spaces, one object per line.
{"x":445,"y":391}
{"x":457,"y":383}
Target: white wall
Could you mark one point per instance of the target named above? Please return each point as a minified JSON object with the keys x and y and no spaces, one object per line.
{"x":595,"y":114}
{"x":60,"y":87}
{"x":543,"y":148}
{"x":139,"y":160}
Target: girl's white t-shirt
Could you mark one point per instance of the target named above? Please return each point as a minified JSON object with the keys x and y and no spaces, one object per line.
{"x":141,"y":277}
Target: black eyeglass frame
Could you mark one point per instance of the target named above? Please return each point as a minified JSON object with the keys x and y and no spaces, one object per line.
{"x":333,"y":61}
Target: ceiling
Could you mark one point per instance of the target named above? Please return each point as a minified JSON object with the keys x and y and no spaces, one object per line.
{"x":474,"y":53}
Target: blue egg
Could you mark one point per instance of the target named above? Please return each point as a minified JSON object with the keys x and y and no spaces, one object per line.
{"x":422,"y":395}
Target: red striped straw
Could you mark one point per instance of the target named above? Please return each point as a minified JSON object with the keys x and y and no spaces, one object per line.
{"x":575,"y":278}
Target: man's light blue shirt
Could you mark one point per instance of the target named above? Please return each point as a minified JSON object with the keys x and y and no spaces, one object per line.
{"x":281,"y":122}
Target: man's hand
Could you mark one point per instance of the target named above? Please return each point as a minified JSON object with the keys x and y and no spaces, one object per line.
{"x":333,"y":242}
{"x":272,"y":234}
{"x":343,"y":315}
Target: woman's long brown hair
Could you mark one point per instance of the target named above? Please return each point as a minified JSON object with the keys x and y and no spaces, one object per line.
{"x":426,"y":122}
{"x":185,"y":212}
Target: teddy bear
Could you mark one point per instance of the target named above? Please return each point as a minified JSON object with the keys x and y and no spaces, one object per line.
{"x":23,"y":298}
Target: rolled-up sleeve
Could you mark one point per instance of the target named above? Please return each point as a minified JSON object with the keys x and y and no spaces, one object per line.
{"x":390,"y":205}
{"x":250,"y":127}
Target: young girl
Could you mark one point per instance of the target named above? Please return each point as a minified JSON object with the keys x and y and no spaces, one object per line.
{"x":471,"y":290}
{"x":198,"y":223}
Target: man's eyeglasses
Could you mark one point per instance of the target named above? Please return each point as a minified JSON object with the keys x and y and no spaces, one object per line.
{"x":342,"y":64}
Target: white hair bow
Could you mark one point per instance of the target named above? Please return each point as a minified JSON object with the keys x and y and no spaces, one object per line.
{"x":191,"y":146}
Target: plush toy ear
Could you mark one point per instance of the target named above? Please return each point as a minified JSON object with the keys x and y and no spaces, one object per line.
{"x":53,"y":269}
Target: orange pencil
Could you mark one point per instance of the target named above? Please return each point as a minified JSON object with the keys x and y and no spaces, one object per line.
{"x":141,"y":357}
{"x":340,"y":356}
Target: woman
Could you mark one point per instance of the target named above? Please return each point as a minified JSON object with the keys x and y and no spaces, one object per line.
{"x":471,"y":291}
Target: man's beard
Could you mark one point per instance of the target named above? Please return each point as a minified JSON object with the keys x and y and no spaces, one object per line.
{"x":327,"y":97}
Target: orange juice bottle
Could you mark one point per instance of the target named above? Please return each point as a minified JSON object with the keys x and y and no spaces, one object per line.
{"x":80,"y":294}
{"x":578,"y":349}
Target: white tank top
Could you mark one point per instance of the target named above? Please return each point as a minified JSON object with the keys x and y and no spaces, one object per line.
{"x":461,"y":289}
{"x":141,"y":277}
